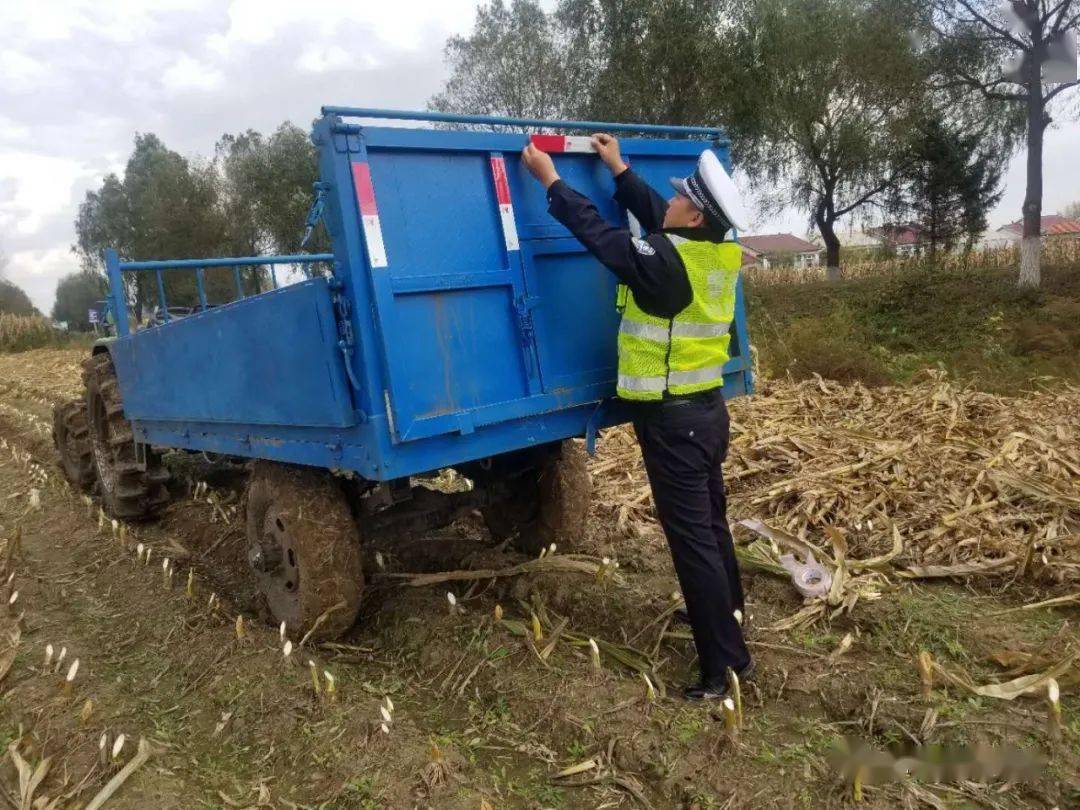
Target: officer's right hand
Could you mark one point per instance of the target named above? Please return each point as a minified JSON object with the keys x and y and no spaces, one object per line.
{"x":607,"y":146}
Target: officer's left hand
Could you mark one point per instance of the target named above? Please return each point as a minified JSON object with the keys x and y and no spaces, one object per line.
{"x":540,"y":165}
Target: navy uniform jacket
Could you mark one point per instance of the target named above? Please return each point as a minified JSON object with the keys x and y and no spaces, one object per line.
{"x":650,"y":267}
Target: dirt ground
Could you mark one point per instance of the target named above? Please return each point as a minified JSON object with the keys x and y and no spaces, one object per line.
{"x":482,"y":716}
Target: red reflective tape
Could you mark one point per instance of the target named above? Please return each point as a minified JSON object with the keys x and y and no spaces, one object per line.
{"x":549,"y":143}
{"x":365,"y":191}
{"x":502,"y":186}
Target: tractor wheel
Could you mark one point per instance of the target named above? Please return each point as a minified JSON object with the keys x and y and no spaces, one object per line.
{"x":71,"y":435}
{"x":547,"y":504}
{"x":129,"y":489}
{"x":304,"y":546}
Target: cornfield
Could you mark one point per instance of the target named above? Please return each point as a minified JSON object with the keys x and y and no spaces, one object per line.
{"x":21,"y":332}
{"x":1055,"y":253}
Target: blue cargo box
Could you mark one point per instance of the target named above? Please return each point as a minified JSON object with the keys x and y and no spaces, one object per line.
{"x":456,"y":319}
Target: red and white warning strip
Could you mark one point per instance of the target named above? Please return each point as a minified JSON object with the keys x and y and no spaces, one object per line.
{"x":369,"y":214}
{"x":506,"y":207}
{"x":562,"y":143}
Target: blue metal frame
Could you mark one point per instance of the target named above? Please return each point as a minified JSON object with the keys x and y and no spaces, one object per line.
{"x":455,"y":343}
{"x":497,"y":120}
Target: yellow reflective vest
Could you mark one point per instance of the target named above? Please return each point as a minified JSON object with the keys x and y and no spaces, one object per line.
{"x":686,"y":354}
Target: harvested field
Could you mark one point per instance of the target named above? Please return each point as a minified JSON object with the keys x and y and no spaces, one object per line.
{"x":944,"y":514}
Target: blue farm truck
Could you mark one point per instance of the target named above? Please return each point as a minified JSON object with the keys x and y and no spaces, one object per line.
{"x":454,"y":324}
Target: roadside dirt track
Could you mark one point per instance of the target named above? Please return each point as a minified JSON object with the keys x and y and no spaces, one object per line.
{"x":480,"y":717}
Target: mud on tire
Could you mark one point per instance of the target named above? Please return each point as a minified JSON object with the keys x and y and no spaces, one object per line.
{"x":128,"y":489}
{"x":547,"y":505}
{"x":304,"y":546}
{"x":71,"y":437}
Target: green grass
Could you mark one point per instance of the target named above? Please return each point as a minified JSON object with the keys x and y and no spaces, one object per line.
{"x":976,"y":324}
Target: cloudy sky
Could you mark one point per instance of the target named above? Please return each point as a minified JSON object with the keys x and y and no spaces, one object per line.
{"x":78,"y":79}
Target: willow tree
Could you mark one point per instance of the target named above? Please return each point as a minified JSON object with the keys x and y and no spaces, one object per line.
{"x":1025,"y":57}
{"x":838,"y":87}
{"x":511,"y":64}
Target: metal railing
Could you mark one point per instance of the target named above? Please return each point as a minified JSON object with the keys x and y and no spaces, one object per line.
{"x":116,"y":268}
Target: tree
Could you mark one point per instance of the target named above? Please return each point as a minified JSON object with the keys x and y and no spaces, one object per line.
{"x":1039,"y":35}
{"x":831,"y":92}
{"x":164,"y":207}
{"x":953,"y":180}
{"x":1072,"y":210}
{"x":267,"y":189}
{"x":649,"y":61}
{"x":512,"y":64}
{"x":14,"y":301}
{"x":76,"y":294}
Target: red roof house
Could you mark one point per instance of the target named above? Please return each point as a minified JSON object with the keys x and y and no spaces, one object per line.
{"x":779,"y":248}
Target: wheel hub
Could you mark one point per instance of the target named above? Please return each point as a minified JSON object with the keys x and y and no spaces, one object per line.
{"x":274,"y":560}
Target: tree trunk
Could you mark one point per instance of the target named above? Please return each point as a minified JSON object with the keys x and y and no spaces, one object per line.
{"x":1031,"y":246}
{"x":825,"y":226}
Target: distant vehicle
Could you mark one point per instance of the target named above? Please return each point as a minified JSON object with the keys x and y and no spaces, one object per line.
{"x":458,"y":326}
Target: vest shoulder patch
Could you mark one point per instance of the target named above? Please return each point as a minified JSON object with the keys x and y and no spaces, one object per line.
{"x":643,"y":247}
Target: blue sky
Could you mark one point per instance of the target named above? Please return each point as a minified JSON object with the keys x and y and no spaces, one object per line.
{"x":78,"y":79}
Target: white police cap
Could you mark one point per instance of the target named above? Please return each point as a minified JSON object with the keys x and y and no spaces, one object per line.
{"x":711,"y":189}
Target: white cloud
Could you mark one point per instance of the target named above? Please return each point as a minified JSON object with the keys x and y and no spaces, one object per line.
{"x":190,"y":74}
{"x":36,"y":186}
{"x":402,"y":23}
{"x":37,"y":272}
{"x":322,"y":59}
{"x":20,"y":69}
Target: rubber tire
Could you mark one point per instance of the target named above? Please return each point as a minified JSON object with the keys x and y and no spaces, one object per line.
{"x":324,"y":538}
{"x":548,"y":504}
{"x":128,"y":491}
{"x":71,"y":437}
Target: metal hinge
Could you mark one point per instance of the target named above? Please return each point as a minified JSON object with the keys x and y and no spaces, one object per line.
{"x":523,"y":307}
{"x":346,"y":340}
{"x":316,"y":211}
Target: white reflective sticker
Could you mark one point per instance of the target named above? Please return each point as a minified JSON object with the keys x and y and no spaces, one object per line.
{"x":643,"y":247}
{"x":373,"y":236}
{"x":510,"y":234}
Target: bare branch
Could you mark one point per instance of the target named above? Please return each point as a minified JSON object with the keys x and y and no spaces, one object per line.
{"x":997,"y":29}
{"x":1060,"y":89}
{"x":1061,"y":11}
{"x":987,"y":88}
{"x":863,"y":199}
{"x":1068,"y":26}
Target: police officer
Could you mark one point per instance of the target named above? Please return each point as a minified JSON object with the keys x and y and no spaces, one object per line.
{"x":677,"y":297}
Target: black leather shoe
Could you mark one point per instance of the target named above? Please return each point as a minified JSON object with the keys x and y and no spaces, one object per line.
{"x":716,"y":689}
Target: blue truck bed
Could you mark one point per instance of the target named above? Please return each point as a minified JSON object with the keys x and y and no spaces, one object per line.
{"x":456,"y":319}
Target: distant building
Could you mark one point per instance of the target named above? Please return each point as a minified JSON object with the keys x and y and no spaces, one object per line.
{"x":1054,"y":226}
{"x":778,"y":249}
{"x":901,"y":239}
{"x":904,"y":239}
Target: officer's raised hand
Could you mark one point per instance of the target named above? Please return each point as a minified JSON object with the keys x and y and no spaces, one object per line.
{"x":607,"y":146}
{"x":540,"y":165}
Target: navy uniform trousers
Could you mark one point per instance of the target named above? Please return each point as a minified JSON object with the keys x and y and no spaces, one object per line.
{"x":684,"y":442}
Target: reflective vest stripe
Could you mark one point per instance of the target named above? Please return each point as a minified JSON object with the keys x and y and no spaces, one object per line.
{"x":642,"y":384}
{"x":659,"y":334}
{"x":646,"y":331}
{"x":699,"y":330}
{"x":700,"y":375}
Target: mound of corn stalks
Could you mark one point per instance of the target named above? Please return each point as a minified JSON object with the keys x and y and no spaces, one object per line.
{"x":931,"y":480}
